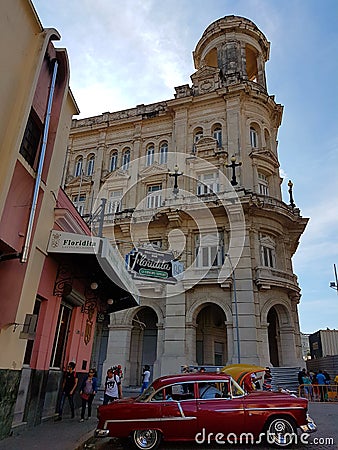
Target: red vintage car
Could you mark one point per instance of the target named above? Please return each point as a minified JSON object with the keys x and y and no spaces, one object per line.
{"x":204,"y":407}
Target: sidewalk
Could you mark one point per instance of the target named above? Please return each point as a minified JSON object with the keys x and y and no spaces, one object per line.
{"x":68,"y":434}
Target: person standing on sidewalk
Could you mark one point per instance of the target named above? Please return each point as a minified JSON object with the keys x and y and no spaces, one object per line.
{"x":88,"y":390}
{"x":69,"y":384}
{"x":145,"y":378}
{"x":112,"y":388}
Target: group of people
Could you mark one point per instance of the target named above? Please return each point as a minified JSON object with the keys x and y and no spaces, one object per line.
{"x":252,"y":381}
{"x":314,"y":384}
{"x":88,"y":389}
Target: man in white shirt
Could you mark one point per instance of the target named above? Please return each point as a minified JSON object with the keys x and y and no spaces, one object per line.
{"x":113,"y":387}
{"x":145,"y":378}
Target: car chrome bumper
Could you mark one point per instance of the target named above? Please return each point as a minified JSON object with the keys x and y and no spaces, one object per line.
{"x":310,"y":427}
{"x":101,"y":433}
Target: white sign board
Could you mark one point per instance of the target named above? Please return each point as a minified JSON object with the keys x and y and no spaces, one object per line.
{"x":62,"y":242}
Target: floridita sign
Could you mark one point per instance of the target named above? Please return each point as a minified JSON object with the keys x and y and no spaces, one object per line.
{"x":62,"y":242}
{"x":149,"y":264}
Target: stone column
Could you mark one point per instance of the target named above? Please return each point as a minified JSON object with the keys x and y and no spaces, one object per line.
{"x":118,"y":349}
{"x":190,"y":337}
{"x":174,"y":331}
{"x":160,"y":351}
{"x":231,"y":355}
{"x":265,"y":352}
{"x":288,"y":346}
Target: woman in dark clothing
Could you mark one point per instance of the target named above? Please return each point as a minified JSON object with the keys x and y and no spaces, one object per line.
{"x":69,"y":384}
{"x":88,"y":390}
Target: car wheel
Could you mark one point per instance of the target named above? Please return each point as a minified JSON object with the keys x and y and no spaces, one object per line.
{"x":281,"y":432}
{"x":146,"y":439}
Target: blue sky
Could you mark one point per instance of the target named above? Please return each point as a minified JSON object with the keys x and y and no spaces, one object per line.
{"x":125,"y":53}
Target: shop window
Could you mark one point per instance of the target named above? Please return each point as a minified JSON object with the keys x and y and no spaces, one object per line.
{"x":61,"y":334}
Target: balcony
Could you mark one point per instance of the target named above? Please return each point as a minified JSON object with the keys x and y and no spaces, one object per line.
{"x":268,"y":278}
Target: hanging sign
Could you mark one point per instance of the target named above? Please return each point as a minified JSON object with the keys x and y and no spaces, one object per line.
{"x":153,"y":265}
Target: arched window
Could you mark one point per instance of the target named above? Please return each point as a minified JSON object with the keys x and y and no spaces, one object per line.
{"x":217,"y":133}
{"x":253,"y":138}
{"x":198,"y":134}
{"x":90,"y":165}
{"x":78,"y":166}
{"x":164,"y":153}
{"x":113,"y":161}
{"x":126,"y":159}
{"x":150,"y":155}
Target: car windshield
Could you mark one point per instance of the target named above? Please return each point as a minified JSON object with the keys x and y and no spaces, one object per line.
{"x":144,"y":397}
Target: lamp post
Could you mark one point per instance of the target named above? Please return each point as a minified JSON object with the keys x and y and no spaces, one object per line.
{"x":236,"y":309}
{"x":292,"y":203}
{"x":175,"y":174}
{"x":233,"y":165}
{"x":334,"y":284}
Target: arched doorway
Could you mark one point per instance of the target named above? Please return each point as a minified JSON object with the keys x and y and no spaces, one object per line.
{"x":211,"y":336}
{"x":274,"y":337}
{"x":143,"y":344}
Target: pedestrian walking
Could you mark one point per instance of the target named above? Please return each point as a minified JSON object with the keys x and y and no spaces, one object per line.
{"x":145,"y":378}
{"x":321,"y":382}
{"x":112,"y":388}
{"x":88,"y":390}
{"x":69,"y":384}
{"x":301,"y":374}
{"x":307,"y":384}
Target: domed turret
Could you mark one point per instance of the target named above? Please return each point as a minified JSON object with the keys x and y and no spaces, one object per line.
{"x":237,"y":48}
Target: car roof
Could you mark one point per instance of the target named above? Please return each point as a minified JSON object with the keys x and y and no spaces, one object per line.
{"x":189,"y":377}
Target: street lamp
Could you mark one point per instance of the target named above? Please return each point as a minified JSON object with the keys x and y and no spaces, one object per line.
{"x":175,"y":174}
{"x":233,"y":165}
{"x":236,"y":309}
{"x":334,"y":284}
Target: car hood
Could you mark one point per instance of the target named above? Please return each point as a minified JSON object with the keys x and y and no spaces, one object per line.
{"x":266,"y":396}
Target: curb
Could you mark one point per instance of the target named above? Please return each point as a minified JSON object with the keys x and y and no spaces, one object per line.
{"x":94,"y":443}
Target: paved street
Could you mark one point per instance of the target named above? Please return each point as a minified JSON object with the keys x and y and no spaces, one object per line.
{"x":69,"y":434}
{"x":326,"y":438}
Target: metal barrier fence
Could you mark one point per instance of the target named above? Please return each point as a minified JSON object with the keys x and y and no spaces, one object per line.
{"x":319,"y":392}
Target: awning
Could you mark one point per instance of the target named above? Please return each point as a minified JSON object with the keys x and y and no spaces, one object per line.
{"x":96,"y":260}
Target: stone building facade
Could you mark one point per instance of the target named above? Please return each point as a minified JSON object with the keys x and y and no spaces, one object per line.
{"x":198,"y":175}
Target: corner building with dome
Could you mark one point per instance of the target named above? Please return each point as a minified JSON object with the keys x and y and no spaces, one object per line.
{"x":197,"y":175}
